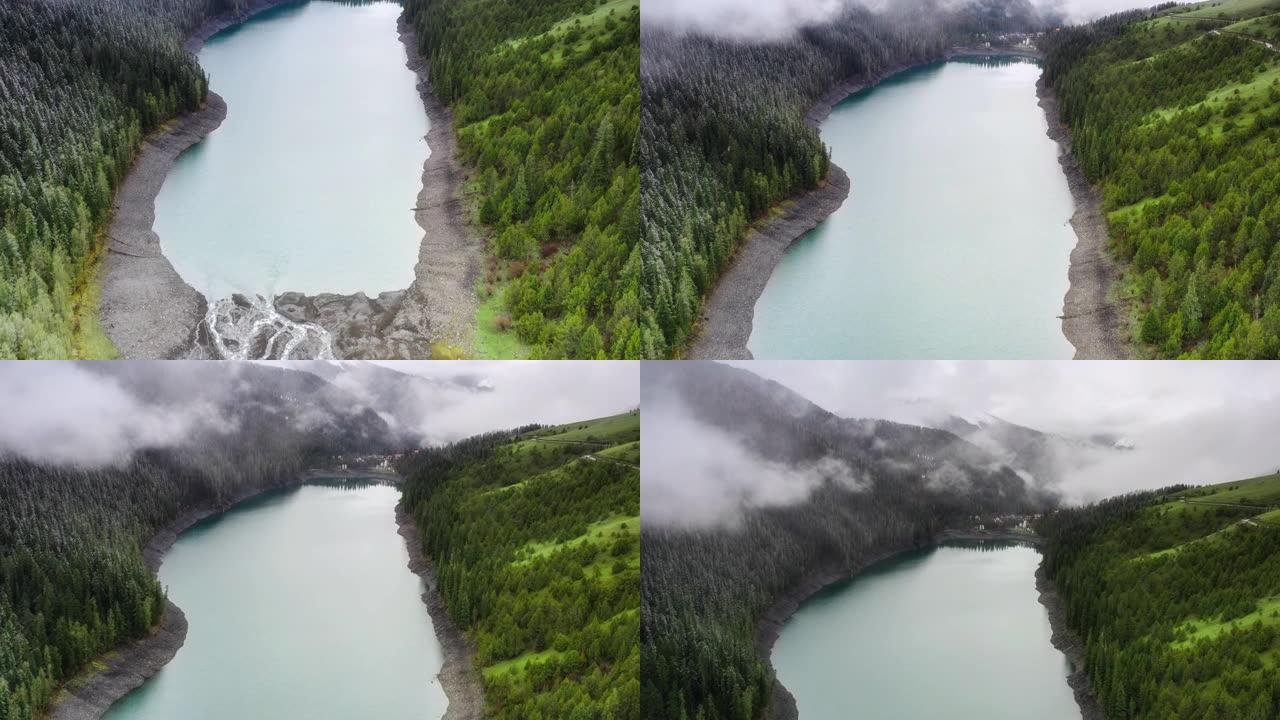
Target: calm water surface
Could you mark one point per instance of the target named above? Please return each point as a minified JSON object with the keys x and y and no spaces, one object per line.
{"x":310,"y":182}
{"x":301,"y":605}
{"x":954,"y":633}
{"x":953,"y":242}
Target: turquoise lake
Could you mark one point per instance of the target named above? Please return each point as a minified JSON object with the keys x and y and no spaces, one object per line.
{"x":310,"y":182}
{"x":300,"y":605}
{"x":953,"y":633}
{"x":953,"y":242}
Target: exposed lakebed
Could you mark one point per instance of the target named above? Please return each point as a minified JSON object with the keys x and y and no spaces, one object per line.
{"x":310,"y":182}
{"x":300,"y":603}
{"x":953,"y":242}
{"x":954,"y":632}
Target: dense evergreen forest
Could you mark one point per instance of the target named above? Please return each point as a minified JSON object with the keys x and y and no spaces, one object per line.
{"x":1177,"y":594}
{"x":73,"y":581}
{"x":723,"y":137}
{"x":546,"y":104}
{"x":705,"y":588}
{"x":534,"y":535}
{"x":81,"y":84}
{"x":1175,"y":115}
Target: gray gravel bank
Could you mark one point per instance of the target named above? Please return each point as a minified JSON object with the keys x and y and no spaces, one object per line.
{"x":147,"y":309}
{"x":724,"y":327}
{"x":458,"y":676}
{"x":1091,"y":319}
{"x":1065,"y":640}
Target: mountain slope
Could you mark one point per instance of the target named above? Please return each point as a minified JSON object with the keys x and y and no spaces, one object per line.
{"x":868,"y":488}
{"x":546,"y":103}
{"x":533,"y":534}
{"x":1176,"y":117}
{"x":1178,"y":594}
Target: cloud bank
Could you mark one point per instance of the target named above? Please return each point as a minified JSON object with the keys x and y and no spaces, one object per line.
{"x":95,"y":414}
{"x":1188,"y":422}
{"x":694,"y":475}
{"x":766,"y":20}
{"x":62,"y":413}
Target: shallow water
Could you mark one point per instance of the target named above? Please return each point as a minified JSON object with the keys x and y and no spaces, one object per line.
{"x":953,"y":633}
{"x":310,"y":182}
{"x":954,"y":240}
{"x":300,"y":605}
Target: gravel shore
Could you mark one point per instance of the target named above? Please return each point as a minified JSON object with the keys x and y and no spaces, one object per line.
{"x":146,"y":308}
{"x":149,"y":311}
{"x":1091,"y":319}
{"x":724,"y":327}
{"x":458,"y":677}
{"x":1065,"y":640}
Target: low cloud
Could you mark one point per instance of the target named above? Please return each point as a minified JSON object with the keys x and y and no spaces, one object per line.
{"x":771,"y":20}
{"x":740,"y":19}
{"x":61,"y":413}
{"x":95,"y":414}
{"x":1120,"y":426}
{"x":694,"y":475}
{"x":464,"y":398}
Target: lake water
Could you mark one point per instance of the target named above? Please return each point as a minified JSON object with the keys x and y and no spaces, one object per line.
{"x":954,"y":240}
{"x":300,"y":605}
{"x":310,"y":182}
{"x":953,"y":633}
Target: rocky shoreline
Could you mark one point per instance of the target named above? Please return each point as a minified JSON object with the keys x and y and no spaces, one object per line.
{"x":148,"y":311}
{"x":1069,"y":644}
{"x":88,"y":695}
{"x":782,"y":705}
{"x":1091,"y":320}
{"x":724,"y":326}
{"x":457,"y":676}
{"x":440,"y":304}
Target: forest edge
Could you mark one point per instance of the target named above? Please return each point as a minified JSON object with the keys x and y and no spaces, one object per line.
{"x":148,"y":311}
{"x":1091,"y":321}
{"x":782,"y":704}
{"x":119,"y":671}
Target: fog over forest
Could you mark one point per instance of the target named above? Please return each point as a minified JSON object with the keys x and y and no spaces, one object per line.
{"x":1104,"y":428}
{"x":775,"y":19}
{"x":95,"y":414}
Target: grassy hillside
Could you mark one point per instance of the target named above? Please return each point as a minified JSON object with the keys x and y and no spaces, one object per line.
{"x":1176,"y":116}
{"x":1178,"y":595}
{"x":546,"y":104}
{"x":535,"y":537}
